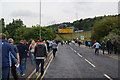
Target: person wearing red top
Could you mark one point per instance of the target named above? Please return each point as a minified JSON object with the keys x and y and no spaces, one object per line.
{"x":38,"y":42}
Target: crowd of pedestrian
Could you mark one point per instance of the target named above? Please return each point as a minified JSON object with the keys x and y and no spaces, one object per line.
{"x":109,"y":46}
{"x":14,"y":56}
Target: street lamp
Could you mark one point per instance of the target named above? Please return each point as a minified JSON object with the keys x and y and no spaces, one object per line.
{"x":40,"y":22}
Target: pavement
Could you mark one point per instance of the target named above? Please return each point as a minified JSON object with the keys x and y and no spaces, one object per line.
{"x":29,"y":69}
{"x":114,"y":56}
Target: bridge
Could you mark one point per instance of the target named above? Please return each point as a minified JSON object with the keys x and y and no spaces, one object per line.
{"x":74,"y":62}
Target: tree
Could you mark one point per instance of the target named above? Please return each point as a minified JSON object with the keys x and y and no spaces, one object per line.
{"x":23,"y":33}
{"x":103,"y":27}
{"x":2,"y":25}
{"x":11,"y":27}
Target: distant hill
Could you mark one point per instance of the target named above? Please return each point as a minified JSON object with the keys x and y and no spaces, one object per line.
{"x":82,"y":24}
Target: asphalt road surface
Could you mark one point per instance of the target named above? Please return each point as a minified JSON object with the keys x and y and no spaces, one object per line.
{"x":74,"y":62}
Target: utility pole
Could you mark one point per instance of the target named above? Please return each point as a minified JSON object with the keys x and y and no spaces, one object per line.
{"x":40,"y":23}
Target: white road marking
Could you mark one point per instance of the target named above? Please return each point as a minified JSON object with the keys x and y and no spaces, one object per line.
{"x":74,"y":50}
{"x":108,"y":77}
{"x":70,"y":48}
{"x":79,"y":55}
{"x":90,"y":63}
{"x":93,"y":65}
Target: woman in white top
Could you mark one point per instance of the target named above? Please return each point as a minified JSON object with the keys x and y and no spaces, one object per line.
{"x":31,"y":49}
{"x":97,"y":46}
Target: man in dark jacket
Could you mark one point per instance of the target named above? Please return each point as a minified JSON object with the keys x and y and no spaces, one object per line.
{"x":115,"y":46}
{"x":109,"y":46}
{"x":79,"y":43}
{"x":40,"y":54}
{"x":22,"y":49}
{"x":6,"y":48}
{"x":103,"y":46}
{"x":14,"y":71}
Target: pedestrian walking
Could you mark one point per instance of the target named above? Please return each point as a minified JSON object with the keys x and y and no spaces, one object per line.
{"x":31,"y":51}
{"x":50,"y":45}
{"x":28,"y":55}
{"x":89,"y":44}
{"x":47,"y":43}
{"x":6,"y":48}
{"x":29,"y":42}
{"x":68,"y":42}
{"x":103,"y":46}
{"x":14,"y":62}
{"x":79,"y":43}
{"x":62,"y":42}
{"x":57,"y":42}
{"x":40,"y":54}
{"x":86,"y":43}
{"x":109,"y":46}
{"x":54,"y":48}
{"x":115,"y":46}
{"x":97,"y":46}
{"x":23,"y":50}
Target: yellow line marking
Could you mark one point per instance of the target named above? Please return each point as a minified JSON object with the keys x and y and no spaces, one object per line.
{"x":47,"y":68}
{"x":34,"y":70}
{"x":31,"y":74}
{"x":44,"y":67}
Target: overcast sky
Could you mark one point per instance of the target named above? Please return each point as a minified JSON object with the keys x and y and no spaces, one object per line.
{"x":55,"y":11}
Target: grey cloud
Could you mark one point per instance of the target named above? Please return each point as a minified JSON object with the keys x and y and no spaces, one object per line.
{"x":24,"y":13}
{"x":66,"y":11}
{"x":83,"y":6}
{"x":119,"y":7}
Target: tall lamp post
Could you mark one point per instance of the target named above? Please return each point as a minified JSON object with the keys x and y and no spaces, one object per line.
{"x":40,"y":23}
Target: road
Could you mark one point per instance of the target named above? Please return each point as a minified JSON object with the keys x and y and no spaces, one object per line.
{"x":74,"y":62}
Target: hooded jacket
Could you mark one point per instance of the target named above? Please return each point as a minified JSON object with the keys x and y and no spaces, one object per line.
{"x":6,"y":48}
{"x":23,"y":50}
{"x":40,"y":51}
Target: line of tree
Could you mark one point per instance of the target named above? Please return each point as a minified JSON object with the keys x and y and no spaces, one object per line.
{"x":105,"y":27}
{"x":102,"y":27}
{"x":82,"y":24}
{"x":18,"y":31}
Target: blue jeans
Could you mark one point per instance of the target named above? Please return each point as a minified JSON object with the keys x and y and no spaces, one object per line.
{"x":18,"y":70}
{"x":109,"y":50}
{"x":23,"y":65}
{"x":32,"y":57}
{"x":38,"y":61}
{"x":5,"y":73}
